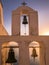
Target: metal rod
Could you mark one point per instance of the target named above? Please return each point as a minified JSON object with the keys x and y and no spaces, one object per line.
{"x":25,"y":29}
{"x":18,"y":47}
{"x":11,"y":63}
{"x":10,"y":47}
{"x":35,"y":47}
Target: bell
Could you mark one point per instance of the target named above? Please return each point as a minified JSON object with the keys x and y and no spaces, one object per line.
{"x":24,"y":20}
{"x":11,"y":56}
{"x":34,"y":54}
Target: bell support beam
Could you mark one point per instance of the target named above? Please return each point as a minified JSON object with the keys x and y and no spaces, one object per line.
{"x":11,"y":47}
{"x":23,"y":38}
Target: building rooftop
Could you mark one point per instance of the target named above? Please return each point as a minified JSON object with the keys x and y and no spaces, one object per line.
{"x":1,"y":3}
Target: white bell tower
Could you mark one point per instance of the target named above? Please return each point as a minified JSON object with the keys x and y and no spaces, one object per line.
{"x":21,"y":14}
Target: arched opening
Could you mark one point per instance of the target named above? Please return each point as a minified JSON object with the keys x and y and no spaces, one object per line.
{"x":6,"y":50}
{"x":24,"y":25}
{"x":34,"y":53}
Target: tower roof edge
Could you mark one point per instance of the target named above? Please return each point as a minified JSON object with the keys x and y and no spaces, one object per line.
{"x":1,"y":3}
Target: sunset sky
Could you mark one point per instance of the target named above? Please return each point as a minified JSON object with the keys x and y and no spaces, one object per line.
{"x":42,"y":6}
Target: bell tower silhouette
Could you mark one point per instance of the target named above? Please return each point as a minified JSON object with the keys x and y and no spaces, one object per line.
{"x":24,"y":23}
{"x":31,"y":16}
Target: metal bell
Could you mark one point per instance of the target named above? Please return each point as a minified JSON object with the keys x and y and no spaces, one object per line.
{"x":24,"y":20}
{"x":11,"y":56}
{"x":34,"y":54}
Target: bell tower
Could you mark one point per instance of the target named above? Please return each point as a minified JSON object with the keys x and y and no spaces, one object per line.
{"x":1,"y":12}
{"x":24,"y":21}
